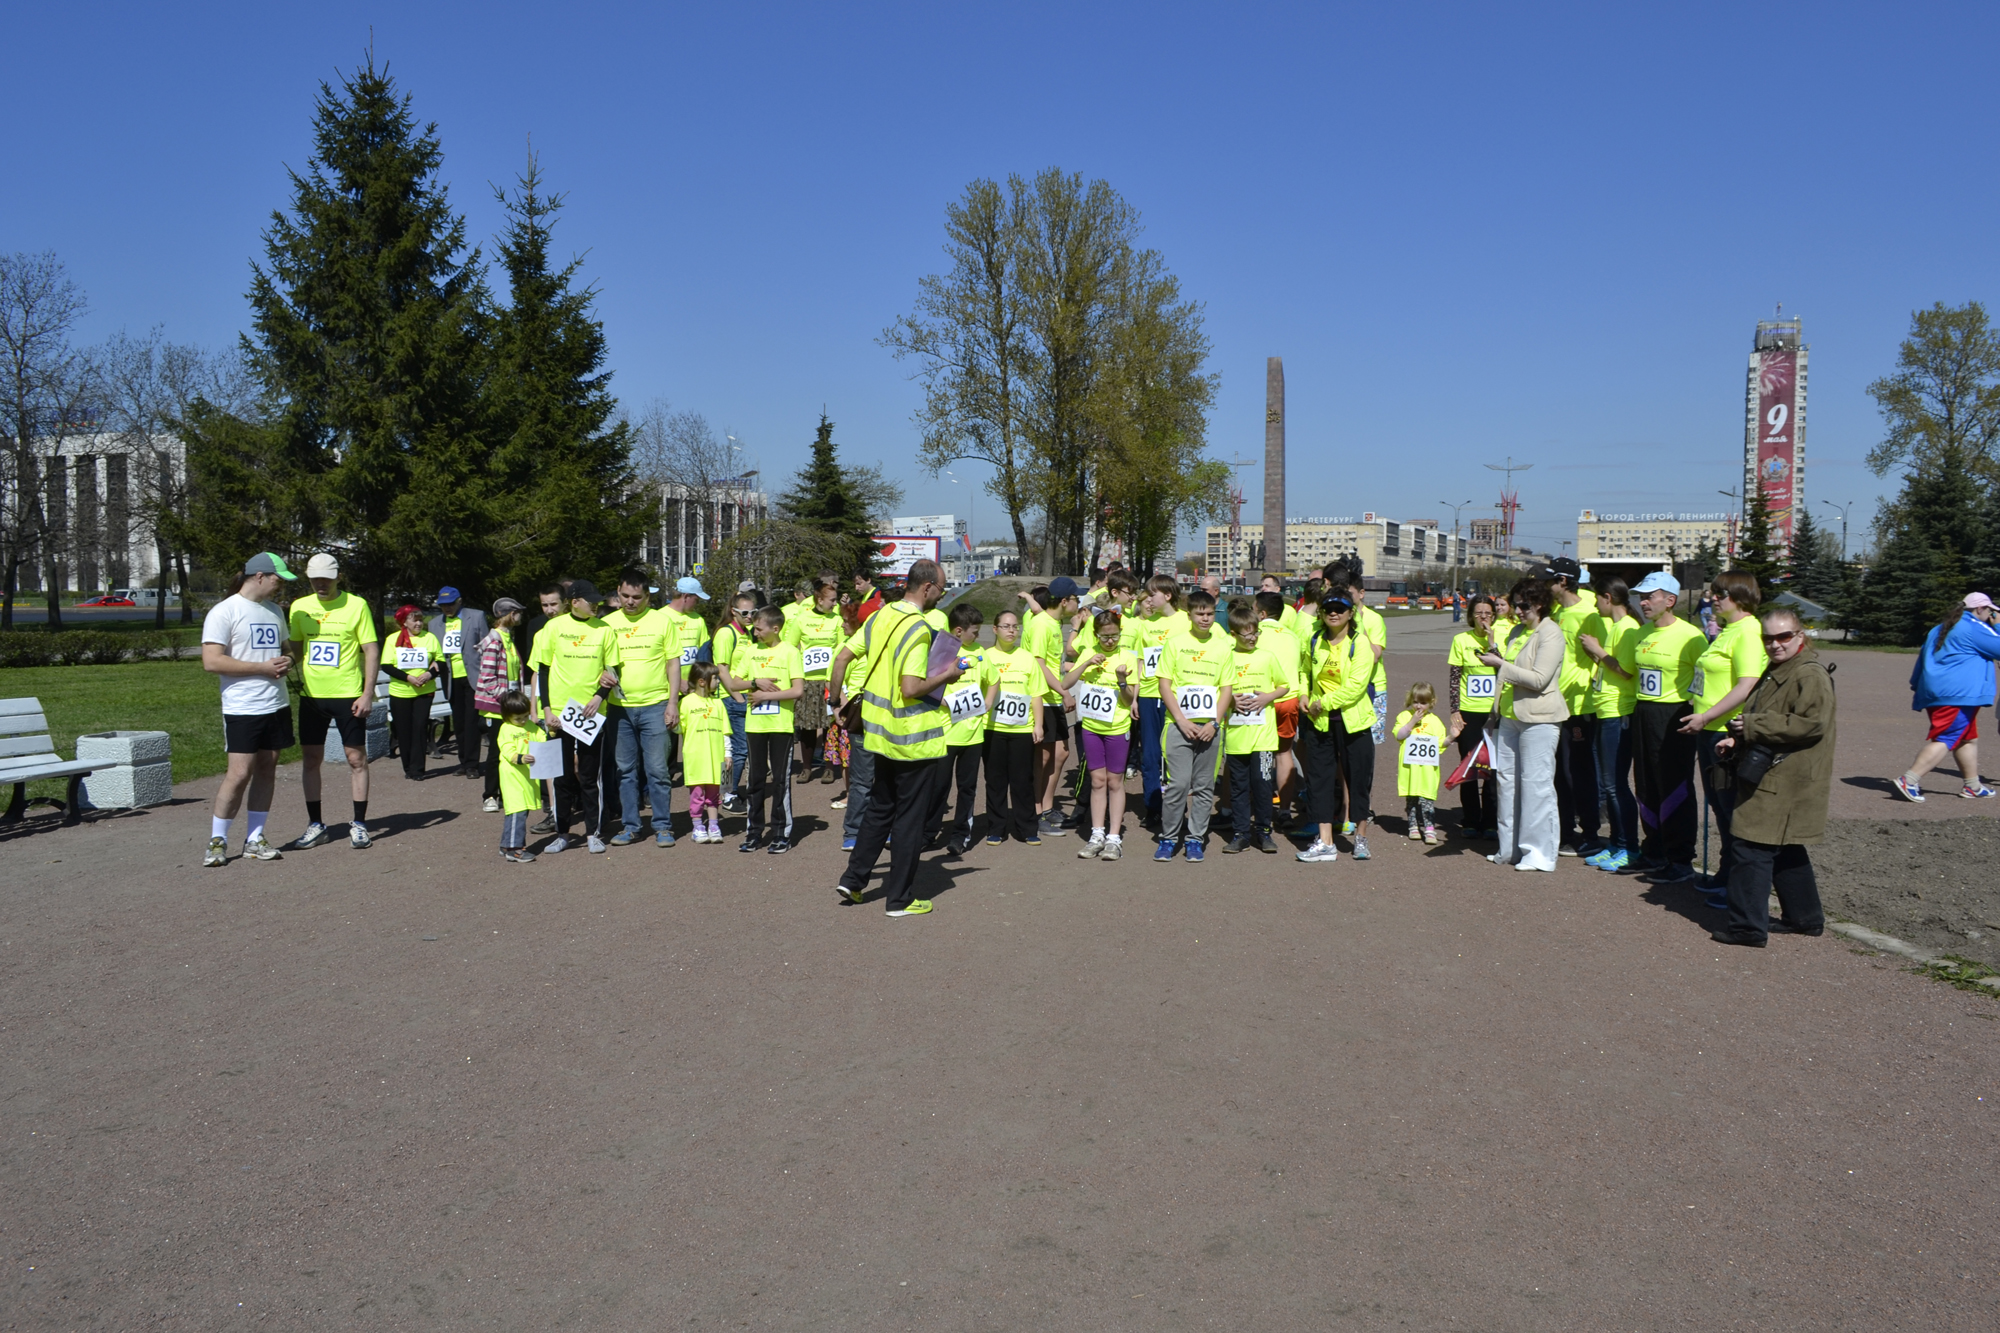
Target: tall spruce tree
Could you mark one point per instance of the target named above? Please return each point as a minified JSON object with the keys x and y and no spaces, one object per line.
{"x":1931,"y":540}
{"x":563,"y":500}
{"x":1803,"y":553}
{"x":367,"y":342}
{"x":1757,"y":554}
{"x":823,"y":498}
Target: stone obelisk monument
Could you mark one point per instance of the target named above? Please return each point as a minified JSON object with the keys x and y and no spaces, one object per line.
{"x":1274,"y":466}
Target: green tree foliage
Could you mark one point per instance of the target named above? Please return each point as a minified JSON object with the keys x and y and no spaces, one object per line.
{"x":248,"y":490}
{"x":824,"y":499}
{"x":1708,"y":558}
{"x":1757,"y":551}
{"x":1928,"y":544}
{"x":368,"y":323}
{"x":1945,"y":394}
{"x":1812,"y":565}
{"x":562,"y":489}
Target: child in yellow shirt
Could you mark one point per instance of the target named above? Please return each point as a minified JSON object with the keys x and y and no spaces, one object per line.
{"x":1420,"y":738}
{"x":704,"y":729}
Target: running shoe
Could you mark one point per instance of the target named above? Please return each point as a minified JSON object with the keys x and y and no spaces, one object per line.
{"x":733,"y":801}
{"x":996,"y":840}
{"x":490,"y":806}
{"x":1319,"y":851}
{"x":622,"y":838}
{"x":749,"y":843}
{"x":546,"y":824}
{"x":1596,"y":861}
{"x":314,"y":835}
{"x":1167,"y":849}
{"x":1614,"y":861}
{"x":1641,"y":865}
{"x":1092,"y":849}
{"x":1032,"y":840}
{"x":837,"y":803}
{"x":847,"y":844}
{"x":1192,"y":849}
{"x":520,"y":856}
{"x":1360,"y":852}
{"x":358,"y":837}
{"x":1675,"y":874}
{"x":916,"y":908}
{"x":595,"y":845}
{"x":1972,"y":793}
{"x":261,"y":850}
{"x":1416,"y":833}
{"x":1910,"y":790}
{"x":1267,"y":844}
{"x":846,"y":894}
{"x":779,"y":846}
{"x":1113,"y":849}
{"x":1430,"y":835}
{"x":662,"y":837}
{"x":217,"y":853}
{"x":559,"y":844}
{"x":1567,"y":849}
{"x":1235,"y":845}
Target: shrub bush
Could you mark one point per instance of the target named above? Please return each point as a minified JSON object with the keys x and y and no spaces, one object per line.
{"x":94,"y":647}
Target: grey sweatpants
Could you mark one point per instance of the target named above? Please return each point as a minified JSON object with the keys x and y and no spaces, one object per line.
{"x":1189,"y":785}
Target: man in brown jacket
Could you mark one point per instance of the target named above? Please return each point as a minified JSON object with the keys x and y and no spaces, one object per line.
{"x":1791,"y":714}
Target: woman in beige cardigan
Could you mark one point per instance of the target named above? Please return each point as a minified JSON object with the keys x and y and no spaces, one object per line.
{"x":1524,"y":751}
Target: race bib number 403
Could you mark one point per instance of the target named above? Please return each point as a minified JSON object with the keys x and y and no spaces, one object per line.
{"x":1197,"y":702}
{"x":818,"y":659}
{"x":1480,"y":687}
{"x":1421,"y":751}
{"x":1650,"y":682}
{"x":1096,"y":703}
{"x":323,"y":653}
{"x":967,"y":703}
{"x":576,"y":724}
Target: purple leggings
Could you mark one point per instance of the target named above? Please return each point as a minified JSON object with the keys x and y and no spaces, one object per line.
{"x":1106,"y":751}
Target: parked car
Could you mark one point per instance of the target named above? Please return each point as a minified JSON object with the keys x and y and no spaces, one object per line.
{"x":109,"y":599}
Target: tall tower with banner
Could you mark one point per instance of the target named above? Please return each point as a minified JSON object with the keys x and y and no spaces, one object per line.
{"x":1774,"y":433}
{"x":1274,"y":466}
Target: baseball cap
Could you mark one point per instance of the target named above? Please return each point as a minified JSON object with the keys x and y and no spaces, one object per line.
{"x":1062,"y":585}
{"x":1975,"y":600}
{"x":447,"y":594}
{"x":322,"y":566}
{"x":748,"y":585}
{"x":585,"y":589}
{"x":266,"y":563}
{"x":1564,"y":567}
{"x":686,"y":586}
{"x":505,"y":606}
{"x":1659,"y":581}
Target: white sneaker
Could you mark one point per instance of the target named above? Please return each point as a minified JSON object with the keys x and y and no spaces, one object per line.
{"x":217,"y":853}
{"x":262,"y":850}
{"x":1090,"y":850}
{"x":357,"y":836}
{"x":561,"y":844}
{"x":1113,"y":849}
{"x":314,"y":835}
{"x":1320,"y":851}
{"x":595,"y":844}
{"x":491,"y":805}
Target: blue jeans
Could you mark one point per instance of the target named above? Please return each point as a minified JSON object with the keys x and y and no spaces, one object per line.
{"x":640,"y":735}
{"x":860,"y":782}
{"x":739,"y":744}
{"x":1152,"y":715}
{"x":1614,"y":782}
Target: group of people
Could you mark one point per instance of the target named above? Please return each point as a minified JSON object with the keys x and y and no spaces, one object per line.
{"x":1570,"y":714}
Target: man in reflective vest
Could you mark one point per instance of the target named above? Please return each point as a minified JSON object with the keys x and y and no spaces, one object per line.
{"x":904,"y":719}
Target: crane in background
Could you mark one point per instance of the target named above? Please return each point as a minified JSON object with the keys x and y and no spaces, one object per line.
{"x":1510,"y":501}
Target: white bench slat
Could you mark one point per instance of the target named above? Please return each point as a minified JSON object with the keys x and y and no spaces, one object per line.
{"x":20,"y":724}
{"x":9,"y":707}
{"x":13,"y":745}
{"x":32,"y":767}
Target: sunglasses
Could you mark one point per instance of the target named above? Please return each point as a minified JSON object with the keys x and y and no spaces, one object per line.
{"x":1786,"y":637}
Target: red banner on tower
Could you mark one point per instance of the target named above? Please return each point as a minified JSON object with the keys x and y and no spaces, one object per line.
{"x":1777,"y":430}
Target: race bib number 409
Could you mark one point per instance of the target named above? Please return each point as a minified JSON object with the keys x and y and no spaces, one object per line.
{"x":1650,"y":682}
{"x":1012,"y":710}
{"x":1421,"y":751}
{"x":1096,"y":702}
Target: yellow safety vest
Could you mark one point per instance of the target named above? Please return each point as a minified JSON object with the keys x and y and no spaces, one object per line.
{"x":896,"y":727}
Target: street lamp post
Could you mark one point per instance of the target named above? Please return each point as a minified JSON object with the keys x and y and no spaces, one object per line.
{"x":971,"y":510}
{"x":1456,"y":559}
{"x":1843,"y":525}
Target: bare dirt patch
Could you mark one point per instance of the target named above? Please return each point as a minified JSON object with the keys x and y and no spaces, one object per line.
{"x":1931,"y":882}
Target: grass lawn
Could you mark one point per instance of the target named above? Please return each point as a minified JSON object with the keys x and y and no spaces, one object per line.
{"x":178,"y":698}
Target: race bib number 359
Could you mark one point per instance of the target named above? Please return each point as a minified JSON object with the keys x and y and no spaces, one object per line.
{"x":818,"y":659}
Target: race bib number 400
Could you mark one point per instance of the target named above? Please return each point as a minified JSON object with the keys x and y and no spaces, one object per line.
{"x":1650,"y":682}
{"x":818,"y":659}
{"x":967,"y":703}
{"x":412,"y":659}
{"x":1480,"y":687}
{"x":1197,"y":702}
{"x":1096,"y":703}
{"x":1012,"y":710}
{"x":1421,"y":751}
{"x":1151,"y":666}
{"x":576,"y":724}
{"x":323,"y":653}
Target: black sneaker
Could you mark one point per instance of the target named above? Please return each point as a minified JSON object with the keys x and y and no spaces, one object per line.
{"x":960,"y":845}
{"x":1234,"y":846}
{"x":779,"y":846}
{"x":749,"y":843}
{"x":1267,"y":844}
{"x":546,"y":824}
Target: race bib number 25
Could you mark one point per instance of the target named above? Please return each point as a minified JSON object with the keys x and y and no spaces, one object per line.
{"x":323,"y":653}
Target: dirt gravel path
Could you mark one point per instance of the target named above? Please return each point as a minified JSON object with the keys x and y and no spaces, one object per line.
{"x":682,"y":1089}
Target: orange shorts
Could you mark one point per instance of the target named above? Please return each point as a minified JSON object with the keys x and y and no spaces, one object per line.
{"x":1288,"y":718}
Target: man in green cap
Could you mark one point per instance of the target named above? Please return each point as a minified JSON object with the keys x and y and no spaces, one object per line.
{"x":243,"y":641}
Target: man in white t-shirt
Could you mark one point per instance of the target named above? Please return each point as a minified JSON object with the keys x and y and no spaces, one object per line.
{"x":243,"y":641}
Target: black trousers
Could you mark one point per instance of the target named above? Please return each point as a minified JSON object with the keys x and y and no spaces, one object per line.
{"x":1719,"y":785}
{"x":1252,"y":778}
{"x":1761,"y":868}
{"x":770,"y":775}
{"x":960,"y":769}
{"x":465,"y":724}
{"x":1576,"y":779}
{"x":1319,"y":754}
{"x":489,"y":733}
{"x":409,"y":720}
{"x":577,"y":790}
{"x":899,"y":804}
{"x":1663,"y":780}
{"x":1477,"y":795}
{"x":1010,"y":784}
{"x":1357,"y":764}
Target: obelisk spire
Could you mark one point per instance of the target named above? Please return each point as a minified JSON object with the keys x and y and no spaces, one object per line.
{"x":1274,"y":466}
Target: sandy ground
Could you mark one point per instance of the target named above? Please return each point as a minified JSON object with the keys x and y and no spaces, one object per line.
{"x":682,"y":1088}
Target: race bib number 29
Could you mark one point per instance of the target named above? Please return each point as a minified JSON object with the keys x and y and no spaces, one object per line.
{"x":263,"y":636}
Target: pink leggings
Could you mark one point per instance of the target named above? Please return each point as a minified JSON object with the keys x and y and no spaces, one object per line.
{"x":705,"y":796}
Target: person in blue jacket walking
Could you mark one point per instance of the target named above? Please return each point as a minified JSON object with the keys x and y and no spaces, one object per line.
{"x":1953,"y":680}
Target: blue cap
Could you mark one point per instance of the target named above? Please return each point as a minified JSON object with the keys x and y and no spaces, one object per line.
{"x":686,"y":586}
{"x":447,"y":594}
{"x":1660,"y":581}
{"x":1063,"y":586}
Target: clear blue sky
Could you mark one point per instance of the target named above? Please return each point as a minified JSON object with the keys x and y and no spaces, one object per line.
{"x":1471,"y":232}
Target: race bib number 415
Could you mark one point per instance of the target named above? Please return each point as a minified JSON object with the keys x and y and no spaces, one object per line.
{"x":1421,"y":751}
{"x":967,"y":703}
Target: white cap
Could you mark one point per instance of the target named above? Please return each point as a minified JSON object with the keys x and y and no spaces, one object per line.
{"x":322,"y":566}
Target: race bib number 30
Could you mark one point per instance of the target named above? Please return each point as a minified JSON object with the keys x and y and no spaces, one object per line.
{"x":1650,"y":682}
{"x":576,"y":724}
{"x":967,"y":703}
{"x":1480,"y":687}
{"x":323,"y":653}
{"x":818,"y":659}
{"x":1096,"y":703}
{"x":1012,"y":710}
{"x":1197,"y":702}
{"x":1421,"y":751}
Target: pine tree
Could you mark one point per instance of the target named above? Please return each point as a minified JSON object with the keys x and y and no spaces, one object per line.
{"x":1756,"y":553}
{"x":560,"y":502}
{"x":1802,"y":556}
{"x":367,"y":340}
{"x":1985,"y":562}
{"x":824,"y":498}
{"x":1932,"y":539}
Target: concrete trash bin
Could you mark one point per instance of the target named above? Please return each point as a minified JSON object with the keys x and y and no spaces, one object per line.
{"x":377,"y":743}
{"x":141,"y":771}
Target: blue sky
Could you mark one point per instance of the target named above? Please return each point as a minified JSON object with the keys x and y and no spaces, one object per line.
{"x":1471,"y":231}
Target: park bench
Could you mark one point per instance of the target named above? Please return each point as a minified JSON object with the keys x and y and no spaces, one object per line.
{"x":27,"y":753}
